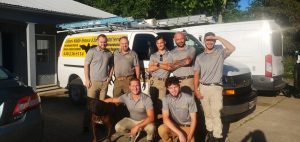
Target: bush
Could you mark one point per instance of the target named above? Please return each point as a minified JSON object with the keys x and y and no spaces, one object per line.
{"x":288,"y":64}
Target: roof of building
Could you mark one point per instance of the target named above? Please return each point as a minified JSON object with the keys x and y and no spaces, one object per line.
{"x":68,"y":7}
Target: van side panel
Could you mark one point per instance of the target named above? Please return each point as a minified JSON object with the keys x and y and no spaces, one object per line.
{"x":253,"y":40}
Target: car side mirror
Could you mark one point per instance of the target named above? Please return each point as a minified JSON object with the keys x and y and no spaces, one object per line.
{"x":200,"y":38}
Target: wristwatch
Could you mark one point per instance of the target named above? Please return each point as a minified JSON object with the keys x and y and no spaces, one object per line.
{"x":157,"y":64}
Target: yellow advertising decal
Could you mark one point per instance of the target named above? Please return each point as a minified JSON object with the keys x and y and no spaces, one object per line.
{"x":79,"y":46}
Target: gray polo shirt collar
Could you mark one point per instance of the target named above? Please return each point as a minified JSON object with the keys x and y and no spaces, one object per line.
{"x":166,"y":51}
{"x":214,"y":49}
{"x":173,"y":98}
{"x":131,"y":98}
{"x":100,"y":49}
{"x":128,"y":51}
{"x":184,"y":48}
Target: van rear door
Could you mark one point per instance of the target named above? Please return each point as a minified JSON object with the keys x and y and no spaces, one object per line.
{"x":277,"y":57}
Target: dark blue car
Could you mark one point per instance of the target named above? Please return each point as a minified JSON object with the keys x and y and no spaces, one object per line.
{"x":20,"y":111}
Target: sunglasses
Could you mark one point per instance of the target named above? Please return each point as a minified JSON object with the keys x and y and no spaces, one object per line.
{"x":160,"y":57}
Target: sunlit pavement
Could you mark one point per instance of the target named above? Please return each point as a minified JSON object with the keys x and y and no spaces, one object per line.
{"x":276,"y":119}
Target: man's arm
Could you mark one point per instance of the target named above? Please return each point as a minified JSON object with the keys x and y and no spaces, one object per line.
{"x":155,"y":67}
{"x":86,"y":75}
{"x":193,"y":126}
{"x":149,"y":119}
{"x":110,"y":74}
{"x":196,"y":85}
{"x":137,"y":71}
{"x":112,"y":100}
{"x":227,"y":45}
{"x":180,"y":63}
{"x":171,"y":125}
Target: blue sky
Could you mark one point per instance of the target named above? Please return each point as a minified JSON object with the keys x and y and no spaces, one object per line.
{"x":244,"y":4}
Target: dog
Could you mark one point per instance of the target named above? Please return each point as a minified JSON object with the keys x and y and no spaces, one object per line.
{"x":102,"y":113}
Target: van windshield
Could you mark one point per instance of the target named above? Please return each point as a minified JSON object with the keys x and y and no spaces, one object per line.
{"x":190,"y":40}
{"x":277,"y":43}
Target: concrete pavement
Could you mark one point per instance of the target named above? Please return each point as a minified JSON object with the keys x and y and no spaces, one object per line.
{"x":276,"y":119}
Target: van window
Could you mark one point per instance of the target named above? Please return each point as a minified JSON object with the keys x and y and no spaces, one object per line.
{"x":190,"y":40}
{"x":277,"y":43}
{"x":144,"y":46}
{"x":169,"y":40}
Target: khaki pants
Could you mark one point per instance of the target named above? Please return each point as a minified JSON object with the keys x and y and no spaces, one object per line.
{"x":212,"y":104}
{"x":187,"y":85}
{"x":126,"y":124}
{"x":121,"y":87}
{"x":98,"y":88}
{"x":157,"y":86}
{"x":167,"y":135}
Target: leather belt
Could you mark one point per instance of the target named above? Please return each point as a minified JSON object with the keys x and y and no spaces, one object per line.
{"x":184,"y":125}
{"x":211,"y":84}
{"x":124,"y":77}
{"x":185,"y":77}
{"x":161,"y":79}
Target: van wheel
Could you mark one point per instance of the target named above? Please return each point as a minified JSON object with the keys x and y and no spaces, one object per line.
{"x":77,"y":93}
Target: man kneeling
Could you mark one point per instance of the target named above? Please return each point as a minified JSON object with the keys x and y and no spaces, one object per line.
{"x":141,"y":112}
{"x":179,"y":114}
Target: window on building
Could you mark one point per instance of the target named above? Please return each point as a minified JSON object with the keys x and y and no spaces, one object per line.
{"x":42,"y":52}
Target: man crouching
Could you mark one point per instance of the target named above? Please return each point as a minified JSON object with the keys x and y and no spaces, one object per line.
{"x":179,"y":114}
{"x":141,"y":112}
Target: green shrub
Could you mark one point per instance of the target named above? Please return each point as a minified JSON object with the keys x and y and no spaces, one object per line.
{"x":288,"y":64}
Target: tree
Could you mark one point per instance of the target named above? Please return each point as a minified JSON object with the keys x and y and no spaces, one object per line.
{"x":286,"y":13}
{"x":159,"y":8}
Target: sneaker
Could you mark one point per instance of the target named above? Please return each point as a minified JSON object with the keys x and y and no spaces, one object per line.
{"x":134,"y":138}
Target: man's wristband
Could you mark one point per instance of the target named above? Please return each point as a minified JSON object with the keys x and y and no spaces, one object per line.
{"x":157,"y":64}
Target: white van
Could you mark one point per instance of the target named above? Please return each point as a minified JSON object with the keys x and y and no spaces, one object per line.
{"x":239,"y":98}
{"x":258,"y":45}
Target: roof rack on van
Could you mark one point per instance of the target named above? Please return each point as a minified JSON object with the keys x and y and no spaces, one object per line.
{"x":120,"y":23}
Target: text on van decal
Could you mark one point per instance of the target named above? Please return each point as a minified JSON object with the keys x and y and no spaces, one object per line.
{"x":79,"y":46}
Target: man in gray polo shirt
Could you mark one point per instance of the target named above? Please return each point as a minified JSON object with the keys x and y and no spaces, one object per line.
{"x":208,"y":70}
{"x":126,"y":64}
{"x":141,"y":111}
{"x":158,"y":67}
{"x":97,"y":72}
{"x":182,"y":64}
{"x":179,"y":114}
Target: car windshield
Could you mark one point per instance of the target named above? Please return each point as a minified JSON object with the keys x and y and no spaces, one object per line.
{"x":3,"y":74}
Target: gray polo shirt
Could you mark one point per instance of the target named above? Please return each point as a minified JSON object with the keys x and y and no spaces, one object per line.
{"x":155,"y":58}
{"x":138,"y":109}
{"x":124,"y":64}
{"x":176,"y":54}
{"x":180,"y":107}
{"x":100,"y":62}
{"x":210,"y":65}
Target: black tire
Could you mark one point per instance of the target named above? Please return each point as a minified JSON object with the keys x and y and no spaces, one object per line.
{"x":77,"y":93}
